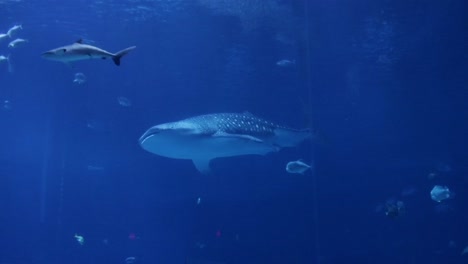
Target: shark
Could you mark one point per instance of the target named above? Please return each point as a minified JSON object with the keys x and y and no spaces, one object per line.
{"x":79,"y":51}
{"x":207,"y":137}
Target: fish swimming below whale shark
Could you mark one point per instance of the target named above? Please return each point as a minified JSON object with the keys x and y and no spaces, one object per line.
{"x":206,"y":137}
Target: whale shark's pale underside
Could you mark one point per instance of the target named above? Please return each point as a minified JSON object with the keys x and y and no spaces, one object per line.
{"x":206,"y":137}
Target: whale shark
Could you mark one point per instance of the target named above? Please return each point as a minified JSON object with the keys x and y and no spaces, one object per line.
{"x":79,"y":51}
{"x":207,"y":137}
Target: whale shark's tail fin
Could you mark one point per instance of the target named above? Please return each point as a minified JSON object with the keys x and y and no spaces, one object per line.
{"x":120,"y":54}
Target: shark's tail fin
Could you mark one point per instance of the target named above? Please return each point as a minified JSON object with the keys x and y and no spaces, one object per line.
{"x":120,"y":54}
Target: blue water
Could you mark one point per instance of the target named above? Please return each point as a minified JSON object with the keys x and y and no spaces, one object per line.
{"x":383,"y":83}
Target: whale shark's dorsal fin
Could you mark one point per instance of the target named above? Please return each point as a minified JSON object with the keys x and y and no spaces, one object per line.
{"x":80,"y":41}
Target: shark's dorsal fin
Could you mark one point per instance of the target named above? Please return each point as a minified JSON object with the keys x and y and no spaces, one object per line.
{"x":80,"y":41}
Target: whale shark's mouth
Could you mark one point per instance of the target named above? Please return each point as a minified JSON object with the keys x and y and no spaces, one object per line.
{"x":151,"y":132}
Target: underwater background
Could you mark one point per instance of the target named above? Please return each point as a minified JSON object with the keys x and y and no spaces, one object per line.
{"x":383,"y":83}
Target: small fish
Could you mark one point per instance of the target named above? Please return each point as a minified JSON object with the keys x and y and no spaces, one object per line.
{"x":4,"y":36}
{"x":286,"y":63}
{"x":440,"y":193}
{"x":79,"y":239}
{"x":4,"y":58}
{"x":297,"y":166}
{"x":80,"y":78}
{"x":130,"y":260}
{"x":79,"y":51}
{"x":16,"y":42}
{"x":13,"y":29}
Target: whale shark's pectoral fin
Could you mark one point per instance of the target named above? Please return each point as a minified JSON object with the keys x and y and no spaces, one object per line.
{"x":202,"y":165}
{"x":236,"y":136}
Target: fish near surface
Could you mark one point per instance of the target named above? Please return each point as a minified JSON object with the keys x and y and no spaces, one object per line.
{"x":206,"y":137}
{"x":13,"y":29}
{"x":79,"y":51}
